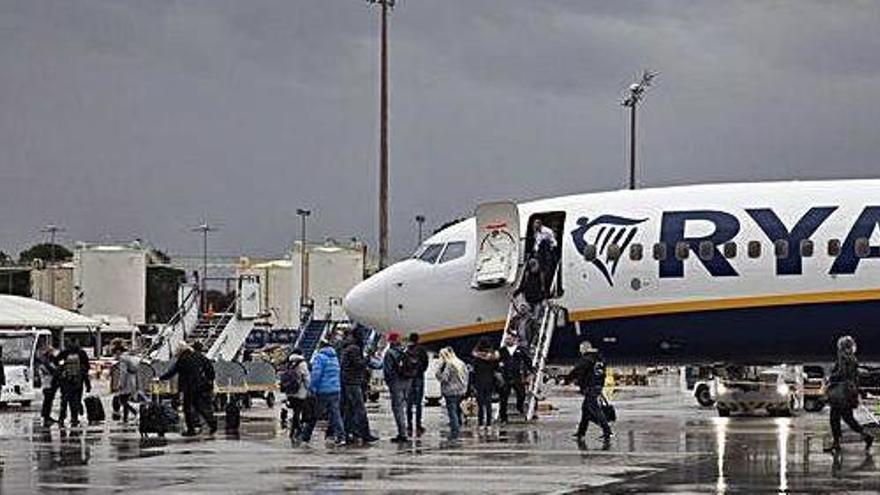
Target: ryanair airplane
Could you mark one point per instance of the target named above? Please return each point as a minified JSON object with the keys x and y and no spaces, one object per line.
{"x":761,"y":272}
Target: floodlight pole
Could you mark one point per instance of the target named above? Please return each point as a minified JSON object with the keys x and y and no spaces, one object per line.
{"x":383,"y":133}
{"x":636,"y":93}
{"x":303,"y":276}
{"x":52,"y":230}
{"x":205,"y":228}
{"x":420,"y":219}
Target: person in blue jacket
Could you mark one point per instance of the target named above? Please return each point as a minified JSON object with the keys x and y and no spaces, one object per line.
{"x":324,"y":384}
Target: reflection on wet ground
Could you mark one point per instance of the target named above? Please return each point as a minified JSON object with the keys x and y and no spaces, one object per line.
{"x":663,"y":443}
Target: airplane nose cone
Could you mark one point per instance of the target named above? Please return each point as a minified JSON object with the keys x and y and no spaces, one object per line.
{"x":366,"y":303}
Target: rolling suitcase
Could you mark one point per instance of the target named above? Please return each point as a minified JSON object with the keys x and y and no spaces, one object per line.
{"x":233,"y":415}
{"x":94,"y":409}
{"x":157,"y":417}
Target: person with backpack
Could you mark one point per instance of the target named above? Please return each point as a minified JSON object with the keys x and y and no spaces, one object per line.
{"x":416,"y":398}
{"x":843,"y":394}
{"x":589,"y":375}
{"x":196,"y":383}
{"x":515,"y":366}
{"x":485,"y":365}
{"x":452,"y":374}
{"x":355,"y":374}
{"x":74,"y":376}
{"x":324,"y":384}
{"x":295,"y":385}
{"x":398,"y":371}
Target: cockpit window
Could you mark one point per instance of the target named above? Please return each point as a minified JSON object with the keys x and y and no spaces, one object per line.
{"x":430,"y":253}
{"x":454,"y":250}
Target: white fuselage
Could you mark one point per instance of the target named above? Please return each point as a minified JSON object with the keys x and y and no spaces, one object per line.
{"x":721,"y":248}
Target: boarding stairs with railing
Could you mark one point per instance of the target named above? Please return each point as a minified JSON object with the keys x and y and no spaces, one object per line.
{"x":313,"y":332}
{"x":539,"y":344}
{"x":178,"y":327}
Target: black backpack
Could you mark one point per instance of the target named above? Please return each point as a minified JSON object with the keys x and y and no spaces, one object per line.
{"x":290,"y":379}
{"x":408,"y":364}
{"x":71,"y":370}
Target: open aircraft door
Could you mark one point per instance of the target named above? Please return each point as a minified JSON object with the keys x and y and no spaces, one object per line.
{"x":498,"y":245}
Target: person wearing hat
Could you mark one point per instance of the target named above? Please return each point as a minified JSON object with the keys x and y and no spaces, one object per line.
{"x":394,"y":370}
{"x":589,"y":374}
{"x":295,"y":384}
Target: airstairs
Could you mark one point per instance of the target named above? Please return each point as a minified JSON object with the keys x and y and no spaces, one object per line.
{"x":538,"y":344}
{"x":313,"y":332}
{"x":178,"y":327}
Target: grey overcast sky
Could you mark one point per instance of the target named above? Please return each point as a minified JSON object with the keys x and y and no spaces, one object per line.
{"x":138,"y":118}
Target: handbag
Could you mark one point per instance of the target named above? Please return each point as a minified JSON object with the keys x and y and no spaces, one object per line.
{"x":842,"y":394}
{"x":607,"y":409}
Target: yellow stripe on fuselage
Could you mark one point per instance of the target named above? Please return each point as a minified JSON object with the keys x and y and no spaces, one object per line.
{"x":672,"y":308}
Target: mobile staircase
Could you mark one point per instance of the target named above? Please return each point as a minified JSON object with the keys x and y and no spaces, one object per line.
{"x":313,"y":332}
{"x":178,"y":327}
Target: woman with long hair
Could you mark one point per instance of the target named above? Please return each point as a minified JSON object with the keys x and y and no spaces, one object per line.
{"x":452,"y":374}
{"x":843,"y":393}
{"x":485,"y":365}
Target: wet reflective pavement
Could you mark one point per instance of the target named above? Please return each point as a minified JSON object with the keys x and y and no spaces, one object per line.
{"x":663,"y":443}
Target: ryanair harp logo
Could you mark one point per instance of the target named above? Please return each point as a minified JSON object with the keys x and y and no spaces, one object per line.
{"x":600,"y":234}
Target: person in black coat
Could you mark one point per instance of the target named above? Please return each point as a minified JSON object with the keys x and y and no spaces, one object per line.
{"x":73,"y":378}
{"x":485,"y":361}
{"x":47,"y":364}
{"x":589,"y":374}
{"x":196,"y":383}
{"x":532,"y":286}
{"x":416,"y":397}
{"x":355,"y":373}
{"x":843,"y":394}
{"x":515,"y":366}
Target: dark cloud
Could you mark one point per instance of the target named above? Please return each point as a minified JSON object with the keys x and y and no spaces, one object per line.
{"x":138,"y":118}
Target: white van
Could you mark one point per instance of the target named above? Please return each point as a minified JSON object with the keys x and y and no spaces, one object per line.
{"x":19,"y":364}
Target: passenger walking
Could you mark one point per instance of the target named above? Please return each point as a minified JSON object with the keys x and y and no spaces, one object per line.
{"x":398,"y":370}
{"x":589,"y":375}
{"x":2,"y":373}
{"x":196,"y":383}
{"x":452,"y":374}
{"x":74,"y":376}
{"x":534,"y":290}
{"x":49,"y":370}
{"x":127,"y":368}
{"x":295,"y":384}
{"x":416,"y":397}
{"x":515,"y":367}
{"x":843,"y":394}
{"x":355,"y":375}
{"x":324,"y":384}
{"x":545,"y":247}
{"x":485,"y":366}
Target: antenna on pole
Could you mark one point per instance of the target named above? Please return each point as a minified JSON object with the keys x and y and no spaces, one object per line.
{"x":635,"y":93}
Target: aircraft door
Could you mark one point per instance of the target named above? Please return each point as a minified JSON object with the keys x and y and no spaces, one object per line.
{"x":497,"y":245}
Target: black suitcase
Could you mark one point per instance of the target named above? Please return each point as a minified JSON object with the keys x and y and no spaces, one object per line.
{"x":157,"y":417}
{"x":94,"y":409}
{"x":233,"y":415}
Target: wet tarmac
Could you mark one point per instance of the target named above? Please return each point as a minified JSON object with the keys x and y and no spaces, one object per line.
{"x":663,"y":443}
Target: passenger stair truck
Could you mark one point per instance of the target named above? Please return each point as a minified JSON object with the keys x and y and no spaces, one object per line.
{"x":178,"y":327}
{"x":499,"y":264}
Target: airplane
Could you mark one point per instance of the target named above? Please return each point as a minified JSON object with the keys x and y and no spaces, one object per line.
{"x":744,"y":272}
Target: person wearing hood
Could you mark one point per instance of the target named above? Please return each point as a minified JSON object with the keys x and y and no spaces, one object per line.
{"x":50,"y":374}
{"x":196,"y":384}
{"x":355,"y":375}
{"x":452,"y":374}
{"x":515,"y":365}
{"x":589,"y":375}
{"x":485,"y":366}
{"x":843,"y":394}
{"x":324,"y":383}
{"x":399,"y":382}
{"x":295,"y":384}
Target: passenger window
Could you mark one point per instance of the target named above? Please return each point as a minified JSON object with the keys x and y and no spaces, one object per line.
{"x":780,"y":248}
{"x":754,"y":249}
{"x":707,"y":250}
{"x":590,"y":252}
{"x":834,"y":247}
{"x":636,"y":252}
{"x":431,"y":252}
{"x":454,"y":250}
{"x":730,"y":250}
{"x":863,"y":249}
{"x":660,"y":251}
{"x":807,"y":248}
{"x":613,"y":252}
{"x":682,"y":250}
